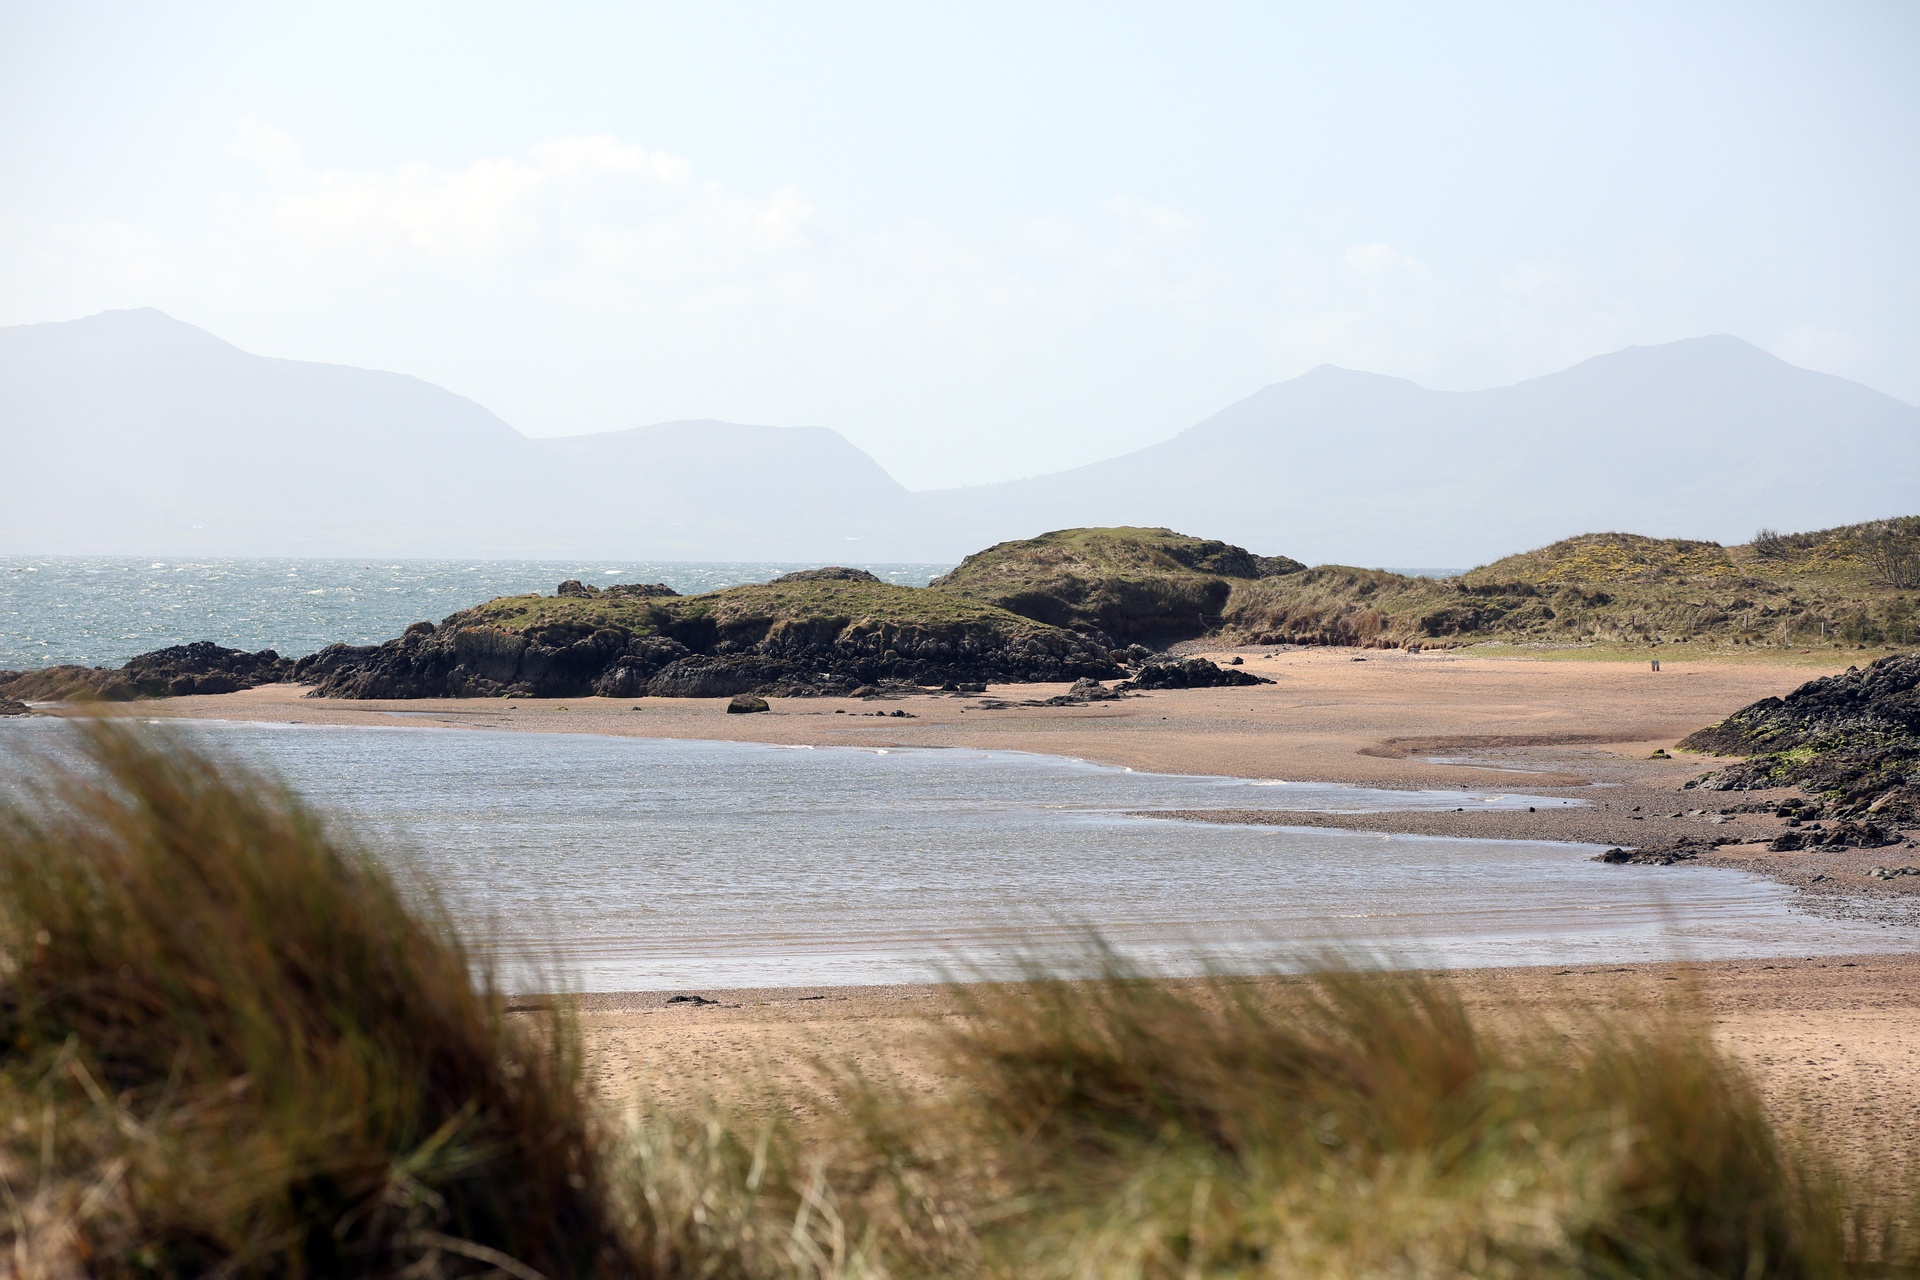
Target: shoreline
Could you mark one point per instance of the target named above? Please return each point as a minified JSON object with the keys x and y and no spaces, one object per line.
{"x":1375,"y":718}
{"x":1827,"y":1039}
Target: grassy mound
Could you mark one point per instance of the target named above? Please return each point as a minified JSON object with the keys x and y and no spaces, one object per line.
{"x":1838,"y":588}
{"x":1132,"y":584}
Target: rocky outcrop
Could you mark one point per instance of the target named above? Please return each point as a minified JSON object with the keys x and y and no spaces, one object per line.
{"x":692,"y":651}
{"x":575,"y":589}
{"x":8,"y":707}
{"x":205,"y":667}
{"x":1841,"y":835}
{"x":200,"y":667}
{"x":1194,"y":673}
{"x":1853,"y":739}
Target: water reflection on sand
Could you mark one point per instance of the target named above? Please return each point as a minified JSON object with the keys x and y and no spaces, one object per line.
{"x":638,"y":864}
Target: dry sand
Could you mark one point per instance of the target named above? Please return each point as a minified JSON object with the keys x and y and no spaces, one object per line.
{"x":1833,"y":1042}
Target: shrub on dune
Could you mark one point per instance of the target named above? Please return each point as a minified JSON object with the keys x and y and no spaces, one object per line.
{"x":1358,"y":1123}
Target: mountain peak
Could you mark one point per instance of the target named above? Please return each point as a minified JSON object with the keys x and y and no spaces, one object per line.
{"x":131,"y":327}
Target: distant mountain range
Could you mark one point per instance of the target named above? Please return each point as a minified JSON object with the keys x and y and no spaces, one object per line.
{"x":130,"y":432}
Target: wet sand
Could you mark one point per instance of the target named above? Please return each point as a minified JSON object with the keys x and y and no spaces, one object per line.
{"x":1374,"y":718}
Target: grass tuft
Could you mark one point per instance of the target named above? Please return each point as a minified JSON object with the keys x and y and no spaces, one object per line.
{"x":232,"y":1045}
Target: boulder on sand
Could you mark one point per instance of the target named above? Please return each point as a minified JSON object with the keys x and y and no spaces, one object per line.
{"x":1194,"y":673}
{"x":744,"y":704}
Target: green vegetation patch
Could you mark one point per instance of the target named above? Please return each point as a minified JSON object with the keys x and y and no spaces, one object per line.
{"x":823,"y":606}
{"x":1877,"y":554}
{"x":1610,"y":558}
{"x":530,"y":612}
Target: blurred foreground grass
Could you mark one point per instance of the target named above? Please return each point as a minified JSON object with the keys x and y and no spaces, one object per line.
{"x":233,"y":1046}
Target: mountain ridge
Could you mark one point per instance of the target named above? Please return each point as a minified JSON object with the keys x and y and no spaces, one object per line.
{"x":141,"y":434}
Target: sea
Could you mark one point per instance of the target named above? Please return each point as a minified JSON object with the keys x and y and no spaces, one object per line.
{"x":98,"y":611}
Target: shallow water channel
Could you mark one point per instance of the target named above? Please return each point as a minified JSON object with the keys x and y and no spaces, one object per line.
{"x":640,"y":864}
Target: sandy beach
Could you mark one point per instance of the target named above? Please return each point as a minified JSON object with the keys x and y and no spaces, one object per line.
{"x":1379,"y":718}
{"x":1830,"y":1040}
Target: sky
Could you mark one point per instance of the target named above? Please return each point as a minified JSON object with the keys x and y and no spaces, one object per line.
{"x":981,"y":241}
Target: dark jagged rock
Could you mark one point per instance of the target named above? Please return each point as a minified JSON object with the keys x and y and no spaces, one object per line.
{"x":1087,"y":689}
{"x":8,"y":707}
{"x":1194,"y":673}
{"x":1853,"y":738}
{"x":200,"y":667}
{"x":746,"y":704}
{"x":832,"y":573}
{"x":205,"y":667}
{"x":1859,"y":835}
{"x":1685,"y":849}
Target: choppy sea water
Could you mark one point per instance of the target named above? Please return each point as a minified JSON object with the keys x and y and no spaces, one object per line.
{"x":637,"y":864}
{"x":101,"y":610}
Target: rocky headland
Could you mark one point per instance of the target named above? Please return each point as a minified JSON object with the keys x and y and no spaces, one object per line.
{"x":822,"y":632}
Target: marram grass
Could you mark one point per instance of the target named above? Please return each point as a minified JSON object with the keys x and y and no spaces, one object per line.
{"x":233,"y":1046}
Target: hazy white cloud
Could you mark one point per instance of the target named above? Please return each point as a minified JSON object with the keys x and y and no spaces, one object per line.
{"x":1377,"y":261}
{"x":591,"y":283}
{"x":497,"y":203}
{"x":111,"y":251}
{"x":1379,"y":308}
